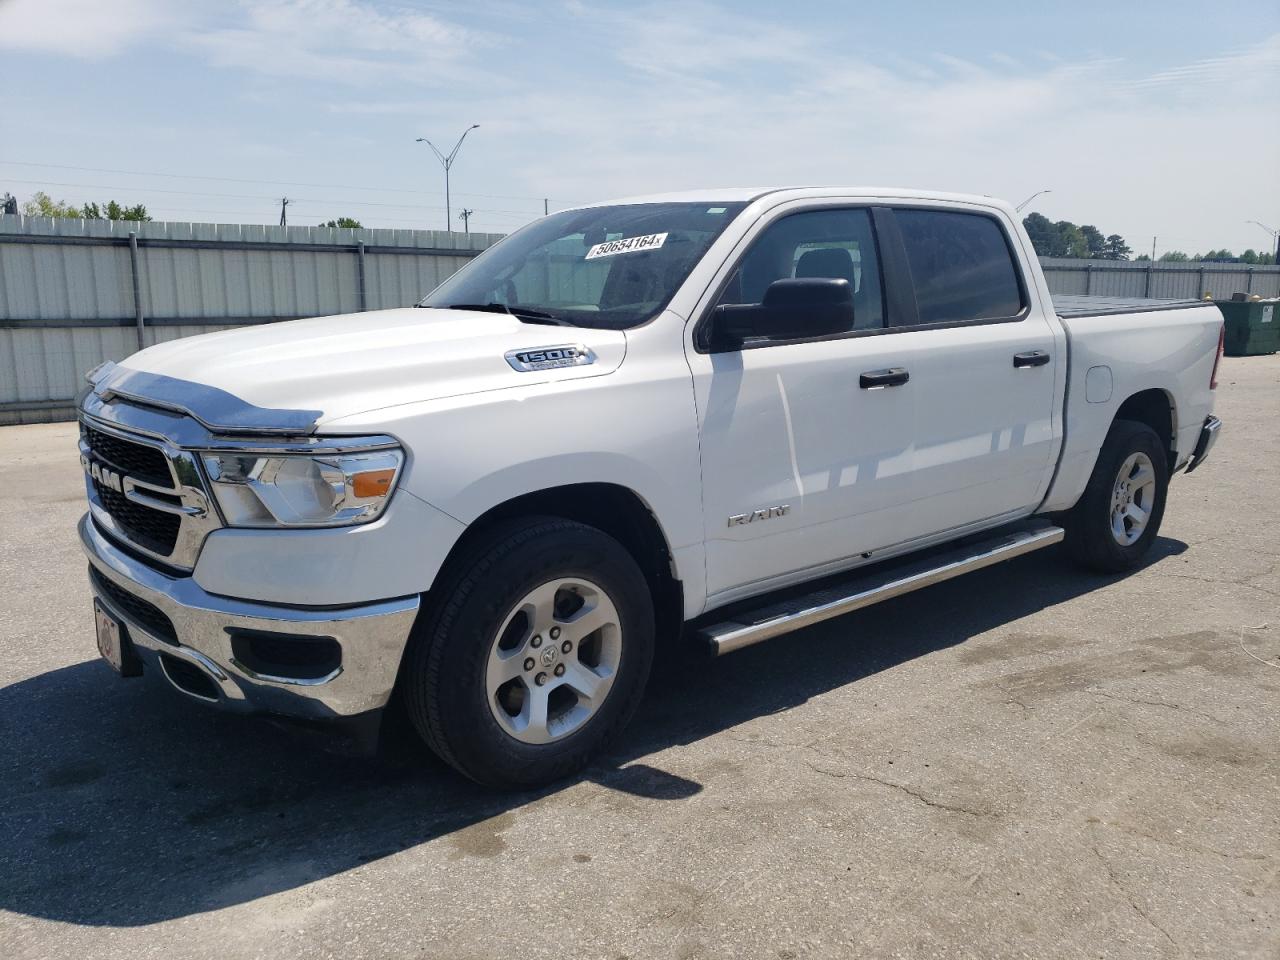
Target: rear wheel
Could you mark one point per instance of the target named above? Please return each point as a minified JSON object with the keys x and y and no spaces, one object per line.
{"x":1118,"y":517}
{"x":535,"y":656}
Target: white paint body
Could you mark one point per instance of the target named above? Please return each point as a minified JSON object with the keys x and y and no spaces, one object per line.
{"x":970,"y":442}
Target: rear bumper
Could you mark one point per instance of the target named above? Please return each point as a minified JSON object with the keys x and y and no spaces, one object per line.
{"x":177,"y":627}
{"x":1208,"y":437}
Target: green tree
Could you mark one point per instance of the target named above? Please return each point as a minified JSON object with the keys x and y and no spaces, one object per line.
{"x":1044,"y":238}
{"x":1249,"y":256}
{"x":114,"y":211}
{"x":42,"y":205}
{"x":1142,"y":258}
{"x":346,"y":222}
{"x":1115,"y":248}
{"x":1095,"y":243}
{"x":1071,"y":240}
{"x":1065,"y":239}
{"x":1174,"y":256}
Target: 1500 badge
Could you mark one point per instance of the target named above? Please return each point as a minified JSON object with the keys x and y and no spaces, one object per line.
{"x":548,"y":358}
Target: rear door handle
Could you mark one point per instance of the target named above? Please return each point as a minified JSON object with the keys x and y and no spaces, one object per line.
{"x":1032,"y":358}
{"x":892,"y":377}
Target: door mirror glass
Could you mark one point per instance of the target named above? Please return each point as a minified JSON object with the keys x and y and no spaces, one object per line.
{"x":792,"y":309}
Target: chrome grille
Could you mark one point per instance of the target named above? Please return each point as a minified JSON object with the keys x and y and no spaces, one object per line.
{"x":154,"y":530}
{"x":145,"y":492}
{"x":127,"y":457}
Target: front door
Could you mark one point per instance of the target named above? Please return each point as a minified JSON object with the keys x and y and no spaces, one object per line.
{"x":802,"y":466}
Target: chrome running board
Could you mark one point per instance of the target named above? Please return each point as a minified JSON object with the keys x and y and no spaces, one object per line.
{"x":766,"y":622}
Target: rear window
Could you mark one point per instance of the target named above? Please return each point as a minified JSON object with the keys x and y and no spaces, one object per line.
{"x":961,"y":266}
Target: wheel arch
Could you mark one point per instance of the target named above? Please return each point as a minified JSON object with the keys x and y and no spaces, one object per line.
{"x":614,"y":509}
{"x":1158,"y":410}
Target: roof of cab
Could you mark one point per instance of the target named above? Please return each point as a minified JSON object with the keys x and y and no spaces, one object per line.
{"x":748,"y":194}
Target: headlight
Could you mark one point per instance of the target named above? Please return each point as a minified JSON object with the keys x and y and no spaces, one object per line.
{"x":298,"y":490}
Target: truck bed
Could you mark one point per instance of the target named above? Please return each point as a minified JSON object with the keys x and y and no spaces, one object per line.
{"x":1067,"y":306}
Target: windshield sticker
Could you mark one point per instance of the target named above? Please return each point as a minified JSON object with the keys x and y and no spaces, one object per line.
{"x":609,"y":248}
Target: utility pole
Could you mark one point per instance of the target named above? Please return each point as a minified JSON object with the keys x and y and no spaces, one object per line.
{"x":546,"y":206}
{"x":1275,"y":237}
{"x":1153,"y":249}
{"x":465,"y":217}
{"x":284,"y":219}
{"x":446,"y":161}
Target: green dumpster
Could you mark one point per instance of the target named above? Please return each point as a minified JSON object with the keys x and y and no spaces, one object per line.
{"x":1253,"y":327}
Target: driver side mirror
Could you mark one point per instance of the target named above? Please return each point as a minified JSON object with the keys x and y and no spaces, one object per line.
{"x":792,"y":309}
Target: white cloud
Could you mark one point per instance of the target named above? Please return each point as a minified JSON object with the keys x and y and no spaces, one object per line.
{"x":598,"y":99}
{"x":689,"y":38}
{"x":720,"y":103}
{"x":1240,"y":68}
{"x":88,"y":29}
{"x":347,"y":41}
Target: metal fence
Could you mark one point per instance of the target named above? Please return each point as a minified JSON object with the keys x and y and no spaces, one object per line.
{"x":74,"y":293}
{"x":1174,"y":281}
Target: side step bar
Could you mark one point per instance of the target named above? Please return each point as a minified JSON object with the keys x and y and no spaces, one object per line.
{"x":764,"y":623}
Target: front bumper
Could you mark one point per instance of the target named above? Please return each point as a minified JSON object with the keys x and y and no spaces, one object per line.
{"x":1208,"y":437}
{"x":199,"y":636}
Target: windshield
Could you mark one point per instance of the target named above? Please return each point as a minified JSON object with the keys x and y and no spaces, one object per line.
{"x":612,"y":267}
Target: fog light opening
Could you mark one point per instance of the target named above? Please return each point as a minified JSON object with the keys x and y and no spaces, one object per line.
{"x":288,"y":657}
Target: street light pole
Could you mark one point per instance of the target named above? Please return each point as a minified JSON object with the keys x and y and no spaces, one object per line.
{"x":1018,"y":208}
{"x":1275,"y":236}
{"x":446,"y":161}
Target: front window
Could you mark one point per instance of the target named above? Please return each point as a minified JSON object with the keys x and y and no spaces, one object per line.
{"x":833,"y":244}
{"x":613,"y":267}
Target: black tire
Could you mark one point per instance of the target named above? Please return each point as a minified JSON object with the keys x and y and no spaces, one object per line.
{"x":1088,"y":524}
{"x":444,"y":681}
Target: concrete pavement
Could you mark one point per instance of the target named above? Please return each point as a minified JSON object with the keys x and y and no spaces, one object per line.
{"x":1026,"y":762}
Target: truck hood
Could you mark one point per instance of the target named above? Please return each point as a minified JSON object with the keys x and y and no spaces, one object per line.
{"x":265,"y":377}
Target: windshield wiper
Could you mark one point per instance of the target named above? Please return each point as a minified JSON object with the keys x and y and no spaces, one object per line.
{"x":525,"y":314}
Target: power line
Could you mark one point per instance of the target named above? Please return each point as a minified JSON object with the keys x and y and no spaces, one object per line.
{"x":265,"y":217}
{"x":274,"y":183}
{"x":248,"y":196}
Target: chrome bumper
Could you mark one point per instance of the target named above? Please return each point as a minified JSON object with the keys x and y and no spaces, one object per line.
{"x":371,"y":637}
{"x":1208,"y":437}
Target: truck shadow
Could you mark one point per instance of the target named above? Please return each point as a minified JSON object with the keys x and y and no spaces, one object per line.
{"x":126,"y":806}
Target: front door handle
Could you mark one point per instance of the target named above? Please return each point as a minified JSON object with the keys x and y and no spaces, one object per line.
{"x":892,"y":377}
{"x":1032,"y":358}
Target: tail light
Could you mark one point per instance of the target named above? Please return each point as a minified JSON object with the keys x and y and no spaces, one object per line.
{"x":1222,"y":342}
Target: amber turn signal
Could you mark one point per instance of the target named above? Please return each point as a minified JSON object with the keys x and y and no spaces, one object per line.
{"x":372,"y":483}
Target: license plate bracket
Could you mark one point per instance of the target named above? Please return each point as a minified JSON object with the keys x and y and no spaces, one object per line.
{"x":114,"y":644}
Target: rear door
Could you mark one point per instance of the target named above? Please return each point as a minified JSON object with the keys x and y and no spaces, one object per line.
{"x":983,"y":357}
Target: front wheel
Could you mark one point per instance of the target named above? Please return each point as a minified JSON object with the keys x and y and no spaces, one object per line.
{"x":1118,"y":517}
{"x":535,"y":654}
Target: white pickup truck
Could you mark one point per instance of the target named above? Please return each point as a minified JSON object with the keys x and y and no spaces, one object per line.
{"x":714,"y":416}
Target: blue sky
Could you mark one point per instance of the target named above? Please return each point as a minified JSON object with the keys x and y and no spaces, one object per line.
{"x":1143,"y":118}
